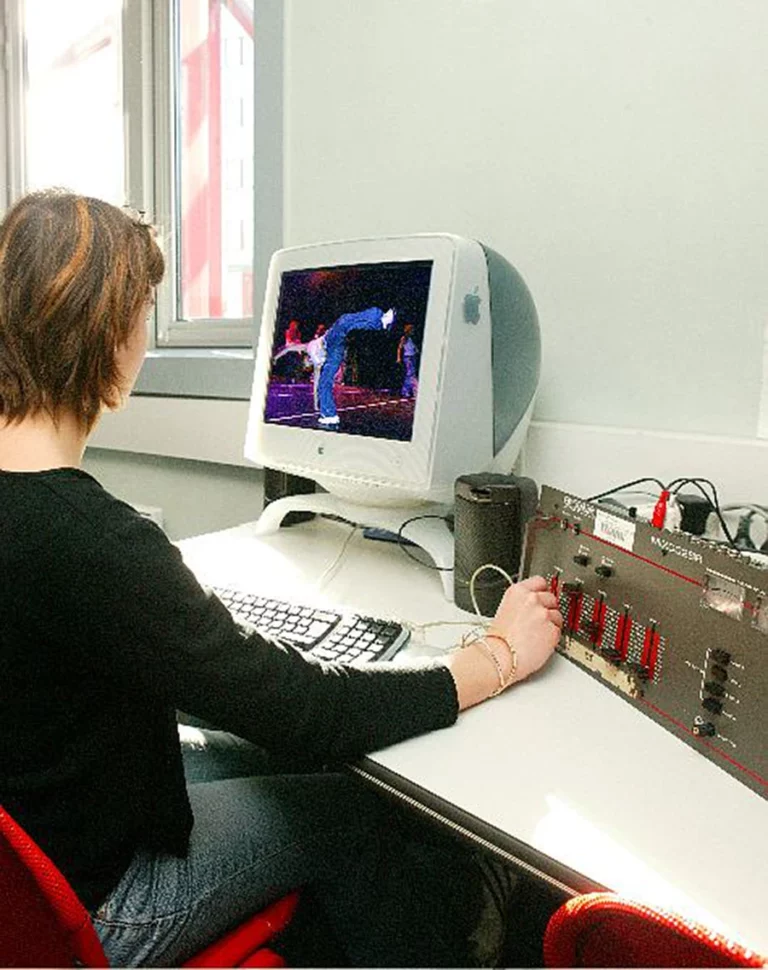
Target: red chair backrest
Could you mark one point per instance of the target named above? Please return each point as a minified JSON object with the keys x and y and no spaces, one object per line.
{"x":604,"y":930}
{"x":42,"y":922}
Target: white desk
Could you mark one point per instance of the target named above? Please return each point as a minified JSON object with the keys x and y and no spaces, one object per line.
{"x":559,"y":771}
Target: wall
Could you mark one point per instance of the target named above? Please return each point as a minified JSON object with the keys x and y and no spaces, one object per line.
{"x":615,"y":152}
{"x":196,"y":497}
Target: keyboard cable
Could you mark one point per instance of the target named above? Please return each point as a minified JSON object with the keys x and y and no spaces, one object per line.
{"x":330,"y":571}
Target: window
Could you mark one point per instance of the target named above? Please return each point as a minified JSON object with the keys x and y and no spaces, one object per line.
{"x":214,"y":174}
{"x":219,"y":159}
{"x":211,"y":191}
{"x":151,"y":102}
{"x":73,"y":104}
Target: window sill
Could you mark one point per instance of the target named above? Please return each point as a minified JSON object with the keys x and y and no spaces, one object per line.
{"x":225,"y":374}
{"x":198,"y":429}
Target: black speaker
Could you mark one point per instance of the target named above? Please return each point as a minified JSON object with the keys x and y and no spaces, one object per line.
{"x":490,"y":513}
{"x":279,"y":484}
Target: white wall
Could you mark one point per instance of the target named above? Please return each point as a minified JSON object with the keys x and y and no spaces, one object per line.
{"x":183,"y":455}
{"x":195,"y":496}
{"x":615,"y":151}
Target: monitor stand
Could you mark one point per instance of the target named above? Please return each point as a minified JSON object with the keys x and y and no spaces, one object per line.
{"x":432,"y":534}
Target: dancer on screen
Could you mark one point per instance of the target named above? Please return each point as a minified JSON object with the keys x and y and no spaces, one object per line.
{"x":327,"y":354}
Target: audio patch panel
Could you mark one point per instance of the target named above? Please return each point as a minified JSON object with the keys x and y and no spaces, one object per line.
{"x":675,"y":624}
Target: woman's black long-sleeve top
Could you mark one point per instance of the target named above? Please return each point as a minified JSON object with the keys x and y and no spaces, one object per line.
{"x":104,"y":634}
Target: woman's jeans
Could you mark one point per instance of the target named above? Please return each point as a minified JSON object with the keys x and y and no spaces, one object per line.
{"x":390,"y":893}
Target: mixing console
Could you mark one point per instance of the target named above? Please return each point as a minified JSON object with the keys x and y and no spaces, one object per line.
{"x":676,"y":625}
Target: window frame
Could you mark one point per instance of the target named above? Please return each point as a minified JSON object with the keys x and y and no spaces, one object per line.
{"x":200,"y":358}
{"x":4,"y":140}
{"x":11,"y":97}
{"x":203,"y":358}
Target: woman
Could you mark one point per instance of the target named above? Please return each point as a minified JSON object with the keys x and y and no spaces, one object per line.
{"x":104,"y":634}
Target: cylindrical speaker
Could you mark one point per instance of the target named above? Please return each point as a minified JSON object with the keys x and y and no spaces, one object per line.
{"x":279,"y":484}
{"x":490,"y":513}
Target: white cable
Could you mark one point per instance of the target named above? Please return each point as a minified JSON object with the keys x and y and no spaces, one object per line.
{"x":326,"y":576}
{"x":472,"y":579}
{"x":421,"y":627}
{"x":417,"y":631}
{"x":475,"y":629}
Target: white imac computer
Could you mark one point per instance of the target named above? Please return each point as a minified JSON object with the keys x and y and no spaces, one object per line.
{"x":385,"y":369}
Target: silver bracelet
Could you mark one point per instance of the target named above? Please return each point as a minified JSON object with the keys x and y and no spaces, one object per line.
{"x":483,"y":642}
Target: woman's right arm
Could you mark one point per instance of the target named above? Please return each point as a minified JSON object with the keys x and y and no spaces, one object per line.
{"x":520,"y":639}
{"x":165,"y":636}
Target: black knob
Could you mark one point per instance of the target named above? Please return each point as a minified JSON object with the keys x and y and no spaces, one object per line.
{"x":721,"y":656}
{"x":642,"y":672}
{"x":705,"y":730}
{"x":711,"y":687}
{"x":719,"y":673}
{"x":712,"y":704}
{"x":581,"y":559}
{"x":604,"y":570}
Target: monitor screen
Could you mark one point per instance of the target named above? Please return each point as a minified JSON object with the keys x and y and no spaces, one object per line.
{"x":347,"y":346}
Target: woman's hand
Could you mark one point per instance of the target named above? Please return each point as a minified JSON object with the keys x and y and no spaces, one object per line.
{"x":528,"y":619}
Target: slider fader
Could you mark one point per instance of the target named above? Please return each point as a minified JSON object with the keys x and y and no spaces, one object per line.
{"x":675,"y":624}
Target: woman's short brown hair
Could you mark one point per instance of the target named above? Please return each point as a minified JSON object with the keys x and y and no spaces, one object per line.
{"x":75,"y":273}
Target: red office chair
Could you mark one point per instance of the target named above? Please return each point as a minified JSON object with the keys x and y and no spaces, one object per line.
{"x":44,"y":924}
{"x":605,"y":930}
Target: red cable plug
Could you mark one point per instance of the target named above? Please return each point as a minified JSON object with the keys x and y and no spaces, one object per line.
{"x":660,"y":510}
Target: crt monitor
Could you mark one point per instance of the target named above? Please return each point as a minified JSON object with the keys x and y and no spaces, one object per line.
{"x":388,"y":367}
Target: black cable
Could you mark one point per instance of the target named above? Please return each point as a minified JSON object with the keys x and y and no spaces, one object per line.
{"x":713,"y":499}
{"x":674,"y":487}
{"x":743,"y":532}
{"x":678,"y":483}
{"x":743,"y":538}
{"x":620,"y":488}
{"x":401,"y":541}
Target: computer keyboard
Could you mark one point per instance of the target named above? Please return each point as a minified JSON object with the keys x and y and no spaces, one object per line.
{"x":325,"y":633}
